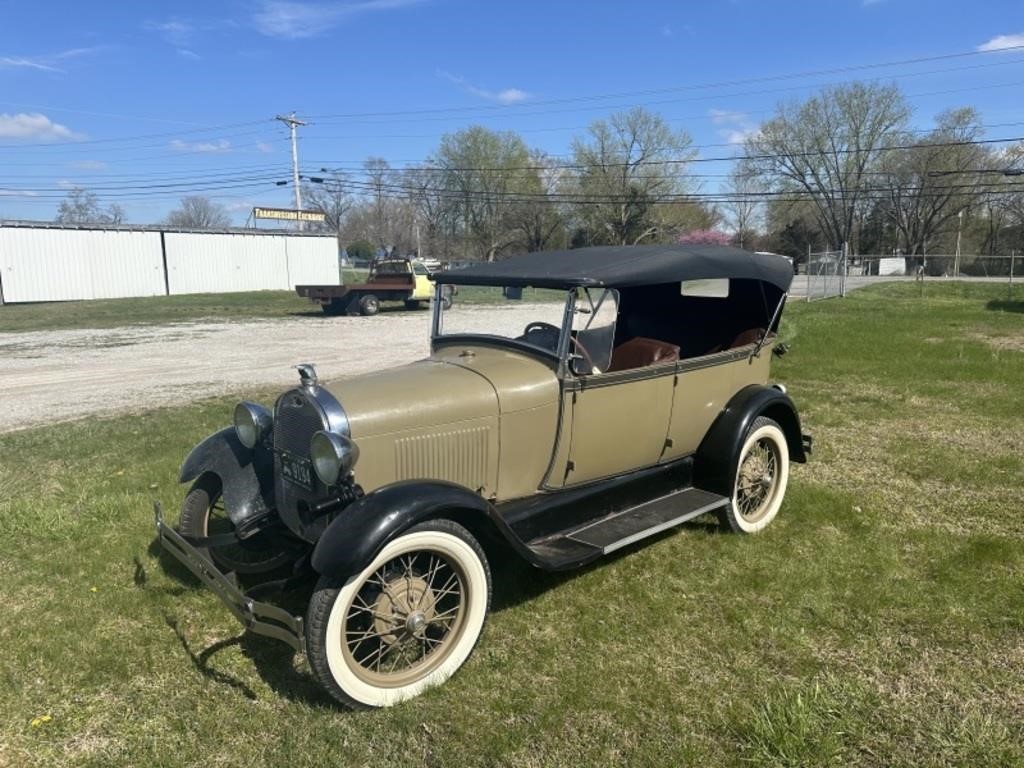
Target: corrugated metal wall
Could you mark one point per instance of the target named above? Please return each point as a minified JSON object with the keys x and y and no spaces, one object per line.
{"x":54,"y":264}
{"x":66,"y":264}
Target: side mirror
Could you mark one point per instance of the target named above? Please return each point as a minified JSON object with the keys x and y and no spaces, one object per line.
{"x":514,"y":292}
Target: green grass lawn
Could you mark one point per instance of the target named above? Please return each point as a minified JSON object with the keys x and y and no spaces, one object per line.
{"x":153,"y":310}
{"x":879,"y":621}
{"x":156,"y":310}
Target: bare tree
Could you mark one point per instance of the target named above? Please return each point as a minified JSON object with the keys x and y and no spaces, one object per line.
{"x":743,"y":193}
{"x":626,"y":166}
{"x":932,"y":181}
{"x":827,"y":148}
{"x":83,"y":207}
{"x":198,"y":212}
{"x":331,"y":197}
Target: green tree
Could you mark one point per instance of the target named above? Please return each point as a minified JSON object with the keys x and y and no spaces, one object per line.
{"x":628,"y":167}
{"x":361,"y":249}
{"x":485,"y":175}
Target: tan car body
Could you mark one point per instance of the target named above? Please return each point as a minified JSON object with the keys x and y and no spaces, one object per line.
{"x":502,"y":423}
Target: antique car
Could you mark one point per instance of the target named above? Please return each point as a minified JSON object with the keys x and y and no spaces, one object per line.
{"x":602,"y":396}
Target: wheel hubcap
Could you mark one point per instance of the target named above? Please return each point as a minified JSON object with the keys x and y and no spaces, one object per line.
{"x":405,"y":619}
{"x":758,"y":475}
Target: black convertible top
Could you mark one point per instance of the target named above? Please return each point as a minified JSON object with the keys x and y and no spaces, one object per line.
{"x":621,"y":266}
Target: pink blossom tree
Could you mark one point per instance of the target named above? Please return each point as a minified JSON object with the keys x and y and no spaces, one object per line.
{"x":705,"y":237}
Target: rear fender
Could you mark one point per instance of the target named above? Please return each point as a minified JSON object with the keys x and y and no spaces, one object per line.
{"x":366,"y":526}
{"x":714,"y":467}
{"x":246,"y":474}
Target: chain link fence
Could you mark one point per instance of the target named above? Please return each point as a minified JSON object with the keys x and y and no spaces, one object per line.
{"x":833,"y":273}
{"x":826,"y":275}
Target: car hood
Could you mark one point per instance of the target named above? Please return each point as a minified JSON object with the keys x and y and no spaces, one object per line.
{"x":457,"y":383}
{"x":422,"y":394}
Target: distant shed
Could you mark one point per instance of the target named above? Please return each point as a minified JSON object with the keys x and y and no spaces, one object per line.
{"x":47,"y":262}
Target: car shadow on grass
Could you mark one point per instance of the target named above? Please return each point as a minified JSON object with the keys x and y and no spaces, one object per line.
{"x":513,"y":582}
{"x":1002,"y":305}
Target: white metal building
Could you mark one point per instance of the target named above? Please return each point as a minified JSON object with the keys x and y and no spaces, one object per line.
{"x":45,"y":262}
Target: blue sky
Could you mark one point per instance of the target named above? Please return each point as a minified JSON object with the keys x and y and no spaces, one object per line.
{"x":117,"y":96}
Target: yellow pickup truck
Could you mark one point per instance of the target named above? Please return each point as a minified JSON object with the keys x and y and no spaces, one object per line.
{"x":389,"y":280}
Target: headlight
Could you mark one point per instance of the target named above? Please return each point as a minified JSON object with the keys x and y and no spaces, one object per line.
{"x":252,"y":422}
{"x":333,"y":456}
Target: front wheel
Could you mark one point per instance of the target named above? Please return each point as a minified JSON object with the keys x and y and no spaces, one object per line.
{"x":203,"y":514}
{"x":762,"y":475}
{"x":369,"y":305}
{"x":408,"y":621}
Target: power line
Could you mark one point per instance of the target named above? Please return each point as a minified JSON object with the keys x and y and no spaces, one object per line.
{"x":675,"y":89}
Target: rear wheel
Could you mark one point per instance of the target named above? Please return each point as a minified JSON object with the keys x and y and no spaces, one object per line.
{"x":369,"y":305}
{"x":406,"y":622}
{"x":203,"y":514}
{"x":762,"y":475}
{"x":412,"y":304}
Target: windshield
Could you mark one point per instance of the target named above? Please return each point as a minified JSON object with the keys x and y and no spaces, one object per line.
{"x":529,"y":316}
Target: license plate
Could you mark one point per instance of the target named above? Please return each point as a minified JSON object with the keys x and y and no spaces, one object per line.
{"x":297,"y":471}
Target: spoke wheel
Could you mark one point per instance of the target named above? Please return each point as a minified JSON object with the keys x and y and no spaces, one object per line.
{"x":762,"y":475}
{"x":203,"y":514}
{"x":406,"y":622}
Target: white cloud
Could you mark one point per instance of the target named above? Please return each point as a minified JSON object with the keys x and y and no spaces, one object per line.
{"x":504,"y":96}
{"x":733,"y":126}
{"x":1002,"y":43}
{"x":45,"y":62}
{"x":185,"y":53}
{"x":177,"y":32}
{"x":88,"y":165}
{"x":65,"y":184}
{"x":17,"y":193}
{"x":265,"y":147}
{"x":34,"y":126}
{"x":510,"y":96}
{"x":219,"y":147}
{"x":295,"y":20}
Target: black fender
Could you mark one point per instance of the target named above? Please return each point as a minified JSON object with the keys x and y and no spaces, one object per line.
{"x":366,"y":526}
{"x":714,"y":467}
{"x":246,"y":474}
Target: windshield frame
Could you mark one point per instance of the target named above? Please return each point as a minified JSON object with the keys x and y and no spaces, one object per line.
{"x":560,"y":355}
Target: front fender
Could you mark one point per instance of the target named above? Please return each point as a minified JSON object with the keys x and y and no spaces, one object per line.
{"x":246,"y":475}
{"x":365,"y":527}
{"x":714,"y":467}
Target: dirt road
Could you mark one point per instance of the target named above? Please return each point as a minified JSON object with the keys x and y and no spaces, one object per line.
{"x":51,"y":376}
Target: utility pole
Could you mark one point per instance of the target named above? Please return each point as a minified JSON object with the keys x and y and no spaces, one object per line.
{"x":293,"y":123}
{"x":959,"y":229}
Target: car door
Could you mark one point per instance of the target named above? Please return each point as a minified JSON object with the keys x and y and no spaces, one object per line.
{"x":423,"y":289}
{"x":619,"y":419}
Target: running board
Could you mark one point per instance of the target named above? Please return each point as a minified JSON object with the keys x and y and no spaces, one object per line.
{"x":624,"y":527}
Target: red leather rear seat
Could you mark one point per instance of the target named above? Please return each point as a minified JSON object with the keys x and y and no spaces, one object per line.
{"x":641,"y":352}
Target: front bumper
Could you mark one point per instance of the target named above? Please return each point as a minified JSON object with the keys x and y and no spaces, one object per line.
{"x":260,"y":618}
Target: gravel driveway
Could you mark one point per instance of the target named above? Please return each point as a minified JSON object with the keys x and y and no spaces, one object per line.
{"x":49,"y":376}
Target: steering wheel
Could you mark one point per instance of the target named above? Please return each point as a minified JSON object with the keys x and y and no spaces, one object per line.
{"x":552,"y":332}
{"x":546,"y":333}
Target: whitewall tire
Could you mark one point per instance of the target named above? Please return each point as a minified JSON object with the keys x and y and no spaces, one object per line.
{"x":406,"y":622}
{"x":762,"y":474}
